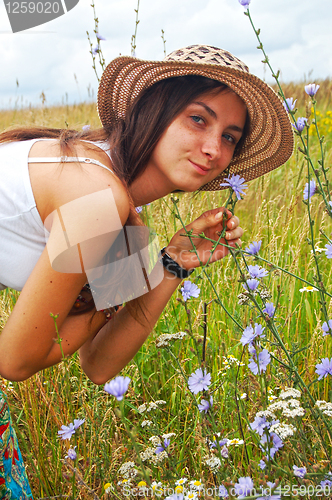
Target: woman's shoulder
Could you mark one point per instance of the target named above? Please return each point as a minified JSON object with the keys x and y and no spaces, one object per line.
{"x":78,"y":179}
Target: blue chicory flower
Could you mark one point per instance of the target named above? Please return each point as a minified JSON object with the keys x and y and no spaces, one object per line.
{"x":71,"y":453}
{"x":67,"y":431}
{"x":245,"y":3}
{"x":257,"y":272}
{"x":244,"y":486}
{"x":117,"y":387}
{"x":259,"y":425}
{"x":205,"y":405}
{"x":267,"y":492}
{"x":311,"y":89}
{"x":78,"y":422}
{"x":326,"y":483}
{"x":262,"y":464}
{"x":236,"y":183}
{"x":300,"y":124}
{"x":223,"y":493}
{"x":162,"y":447}
{"x":251,"y":284}
{"x":324,"y":368}
{"x":139,"y":209}
{"x":289,"y":105}
{"x":328,"y":251}
{"x":264,"y":359}
{"x":95,"y":50}
{"x":269,"y":309}
{"x":277,"y":443}
{"x":199,"y":381}
{"x":327,"y":328}
{"x":100,"y":37}
{"x":249,"y":334}
{"x":189,"y":289}
{"x":309,"y":190}
{"x":85,"y":128}
{"x":254,"y":247}
{"x":299,"y":471}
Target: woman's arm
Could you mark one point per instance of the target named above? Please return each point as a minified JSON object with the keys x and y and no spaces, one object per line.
{"x":28,"y":340}
{"x":106,"y":353}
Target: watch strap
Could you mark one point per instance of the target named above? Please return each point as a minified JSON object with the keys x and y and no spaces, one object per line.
{"x":173,"y":267}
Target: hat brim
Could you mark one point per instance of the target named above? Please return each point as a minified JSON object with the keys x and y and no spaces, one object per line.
{"x":270,"y":140}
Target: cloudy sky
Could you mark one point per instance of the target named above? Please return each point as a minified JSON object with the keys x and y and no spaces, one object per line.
{"x":54,"y":58}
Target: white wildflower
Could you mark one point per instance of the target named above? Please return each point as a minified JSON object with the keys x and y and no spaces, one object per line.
{"x":325,"y":407}
{"x":147,"y":454}
{"x":169,"y":435}
{"x":283,"y":430}
{"x":265,"y":294}
{"x":152,"y":406}
{"x":181,"y":481}
{"x":289,"y":392}
{"x":164,"y":339}
{"x":196,"y":485}
{"x":142,"y":408}
{"x":235,"y":442}
{"x":127,"y":470}
{"x":146,"y":423}
{"x":213,"y":463}
{"x":160,"y":402}
{"x":155,"y":440}
{"x":159,"y":457}
{"x":243,"y":299}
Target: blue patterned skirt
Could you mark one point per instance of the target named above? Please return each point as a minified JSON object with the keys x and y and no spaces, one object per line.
{"x":14,"y":484}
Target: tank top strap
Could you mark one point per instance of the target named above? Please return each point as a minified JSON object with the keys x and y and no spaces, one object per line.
{"x":68,"y":159}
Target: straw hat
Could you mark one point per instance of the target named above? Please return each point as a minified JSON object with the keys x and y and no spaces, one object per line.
{"x":270,"y":140}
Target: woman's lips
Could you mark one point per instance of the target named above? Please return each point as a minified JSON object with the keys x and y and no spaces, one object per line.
{"x":200,"y":168}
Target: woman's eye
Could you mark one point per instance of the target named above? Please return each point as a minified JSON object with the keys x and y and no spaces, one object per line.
{"x":197,"y":119}
{"x":230,"y":138}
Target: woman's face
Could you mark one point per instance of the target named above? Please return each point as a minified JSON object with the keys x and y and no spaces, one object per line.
{"x":200,"y":142}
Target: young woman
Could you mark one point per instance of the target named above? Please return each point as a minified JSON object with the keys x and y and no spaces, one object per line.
{"x":182,"y":124}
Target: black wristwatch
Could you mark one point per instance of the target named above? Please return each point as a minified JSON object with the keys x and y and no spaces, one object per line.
{"x":173,"y":267}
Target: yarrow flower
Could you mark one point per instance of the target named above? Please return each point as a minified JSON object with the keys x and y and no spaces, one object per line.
{"x":257,"y":272}
{"x":254,"y":247}
{"x":328,"y":251}
{"x":327,"y":328}
{"x":269,"y":309}
{"x":117,"y":387}
{"x":236,"y":182}
{"x":205,"y":405}
{"x":189,"y":289}
{"x":309,"y":190}
{"x":289,"y":105}
{"x":300,"y":124}
{"x":299,"y":471}
{"x":324,"y":368}
{"x":199,"y":381}
{"x":264,"y":359}
{"x":311,"y":89}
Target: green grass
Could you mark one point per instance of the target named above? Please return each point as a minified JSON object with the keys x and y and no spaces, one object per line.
{"x":272,"y":211}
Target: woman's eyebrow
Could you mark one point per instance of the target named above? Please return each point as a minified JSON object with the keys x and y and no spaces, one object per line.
{"x":207,"y":108}
{"x":213,"y":114}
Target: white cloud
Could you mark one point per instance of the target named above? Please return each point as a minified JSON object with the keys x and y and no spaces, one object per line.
{"x":296,"y":35}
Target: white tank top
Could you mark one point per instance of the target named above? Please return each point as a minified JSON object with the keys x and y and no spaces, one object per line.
{"x":22,"y":233}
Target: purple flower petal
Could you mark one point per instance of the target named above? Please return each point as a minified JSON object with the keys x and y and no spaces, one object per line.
{"x":117,"y":387}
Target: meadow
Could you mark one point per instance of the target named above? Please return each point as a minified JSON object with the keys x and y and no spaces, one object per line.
{"x":263,"y":428}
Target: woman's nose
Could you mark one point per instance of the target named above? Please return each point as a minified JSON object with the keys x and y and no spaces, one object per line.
{"x":212,"y":147}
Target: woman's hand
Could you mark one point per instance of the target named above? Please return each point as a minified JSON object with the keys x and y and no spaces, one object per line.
{"x":211,"y":223}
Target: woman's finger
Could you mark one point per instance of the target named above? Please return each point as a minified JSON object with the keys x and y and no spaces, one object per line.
{"x":233,"y":222}
{"x":233,"y":235}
